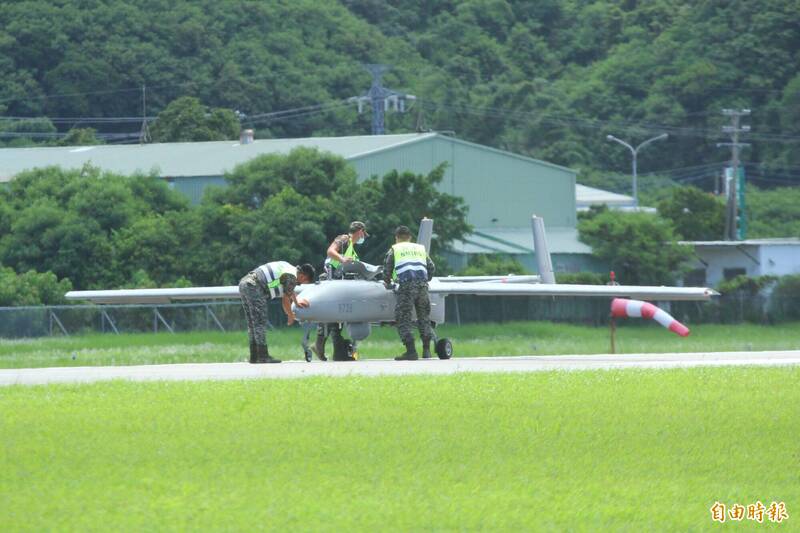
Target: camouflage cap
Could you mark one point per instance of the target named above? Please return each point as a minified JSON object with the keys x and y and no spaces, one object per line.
{"x":356,"y":225}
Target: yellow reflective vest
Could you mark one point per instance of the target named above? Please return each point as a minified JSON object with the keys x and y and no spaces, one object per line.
{"x":410,"y":262}
{"x":272,"y":272}
{"x":349,"y":252}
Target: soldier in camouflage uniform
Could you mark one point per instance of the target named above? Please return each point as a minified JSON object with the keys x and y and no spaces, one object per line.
{"x":341,"y":251}
{"x":409,"y":264}
{"x":277,"y":279}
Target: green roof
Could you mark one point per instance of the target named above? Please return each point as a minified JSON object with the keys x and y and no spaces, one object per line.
{"x":189,"y":158}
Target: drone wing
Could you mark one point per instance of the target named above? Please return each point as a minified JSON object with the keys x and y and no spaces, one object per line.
{"x":154,"y":296}
{"x":499,"y":288}
{"x":525,"y":285}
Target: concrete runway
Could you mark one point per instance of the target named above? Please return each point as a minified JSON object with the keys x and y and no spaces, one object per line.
{"x":386,"y":367}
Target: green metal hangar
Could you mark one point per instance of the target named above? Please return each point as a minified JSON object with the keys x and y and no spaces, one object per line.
{"x":502,"y":189}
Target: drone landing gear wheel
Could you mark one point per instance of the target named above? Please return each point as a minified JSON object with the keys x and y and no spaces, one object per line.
{"x":444,"y":348}
{"x":351,"y":350}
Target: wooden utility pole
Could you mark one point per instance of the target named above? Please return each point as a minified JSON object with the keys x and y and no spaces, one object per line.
{"x":731,"y":212}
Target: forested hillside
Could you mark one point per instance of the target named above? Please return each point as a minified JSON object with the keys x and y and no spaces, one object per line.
{"x":549,"y":78}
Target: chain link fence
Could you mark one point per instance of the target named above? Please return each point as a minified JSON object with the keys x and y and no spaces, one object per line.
{"x":82,"y":319}
{"x":229,"y":315}
{"x":733,"y":308}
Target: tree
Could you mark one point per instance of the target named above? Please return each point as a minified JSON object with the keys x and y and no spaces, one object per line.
{"x":79,"y":137}
{"x":92,"y":227}
{"x":45,"y":238}
{"x":640,"y":247}
{"x":186,"y":119}
{"x":290,"y":207}
{"x":164,"y":247}
{"x":26,"y":132}
{"x":285,"y":207}
{"x":404,"y":198}
{"x":492,"y":265}
{"x":308,"y":171}
{"x":695,"y":215}
{"x":31,"y":288}
{"x":773,"y":213}
{"x":287,"y":227}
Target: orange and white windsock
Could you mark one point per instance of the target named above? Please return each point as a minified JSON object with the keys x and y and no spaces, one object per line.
{"x":620,"y":307}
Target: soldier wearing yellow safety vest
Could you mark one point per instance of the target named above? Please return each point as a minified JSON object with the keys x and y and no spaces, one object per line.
{"x":276,"y":279}
{"x":342,"y":250}
{"x":409,"y":265}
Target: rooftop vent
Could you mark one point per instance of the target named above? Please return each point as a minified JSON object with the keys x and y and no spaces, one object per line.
{"x":246,"y":137}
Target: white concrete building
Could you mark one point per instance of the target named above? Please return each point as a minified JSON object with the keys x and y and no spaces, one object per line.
{"x":587,"y":197}
{"x":722,"y":260}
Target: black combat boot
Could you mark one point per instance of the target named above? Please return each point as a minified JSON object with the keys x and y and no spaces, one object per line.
{"x":263,"y":355}
{"x":340,"y":349}
{"x":426,"y":347}
{"x":253,"y":353}
{"x":411,"y":353}
{"x":319,"y":348}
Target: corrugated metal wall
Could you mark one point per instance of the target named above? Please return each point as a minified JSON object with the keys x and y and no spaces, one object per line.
{"x":501,"y":189}
{"x":193,"y":187}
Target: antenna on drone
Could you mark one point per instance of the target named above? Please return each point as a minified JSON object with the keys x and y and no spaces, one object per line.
{"x":382,"y":99}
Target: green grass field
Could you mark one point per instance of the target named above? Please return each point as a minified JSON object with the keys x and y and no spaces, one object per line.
{"x":620,"y":450}
{"x":516,"y":338}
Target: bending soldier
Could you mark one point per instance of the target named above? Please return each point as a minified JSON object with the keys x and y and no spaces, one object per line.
{"x":409,"y":264}
{"x":341,"y":251}
{"x":277,"y":279}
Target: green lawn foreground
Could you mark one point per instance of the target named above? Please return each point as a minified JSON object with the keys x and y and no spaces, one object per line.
{"x":513,"y":338}
{"x":634,"y":450}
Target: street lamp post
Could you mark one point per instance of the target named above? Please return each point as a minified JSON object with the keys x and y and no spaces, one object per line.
{"x":635,"y":151}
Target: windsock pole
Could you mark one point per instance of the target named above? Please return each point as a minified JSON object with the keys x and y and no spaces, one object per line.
{"x":613,"y":324}
{"x":621,"y":307}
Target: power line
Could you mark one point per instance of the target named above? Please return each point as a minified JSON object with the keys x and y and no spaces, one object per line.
{"x":698,"y":177}
{"x":777,"y":166}
{"x":733,"y":90}
{"x":75,"y":120}
{"x":91,"y":93}
{"x":288,"y":114}
{"x":678,"y":169}
{"x":500,"y":113}
{"x":774,"y":180}
{"x":56,"y":135}
{"x":273,"y":114}
{"x":596,"y":124}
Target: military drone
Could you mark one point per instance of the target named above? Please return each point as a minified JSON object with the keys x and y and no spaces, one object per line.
{"x":363,"y":301}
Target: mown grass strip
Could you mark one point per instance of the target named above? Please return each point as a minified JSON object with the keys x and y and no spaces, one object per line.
{"x":514,"y":338}
{"x":634,"y":450}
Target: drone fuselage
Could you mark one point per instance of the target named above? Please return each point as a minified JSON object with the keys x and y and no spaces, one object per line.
{"x":353,"y":301}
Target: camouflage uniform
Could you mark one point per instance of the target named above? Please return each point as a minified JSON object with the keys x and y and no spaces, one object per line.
{"x":411,"y":296}
{"x":334,"y":270}
{"x":255,"y":296}
{"x":334,"y":329}
{"x":254,"y":300}
{"x":341,"y":242}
